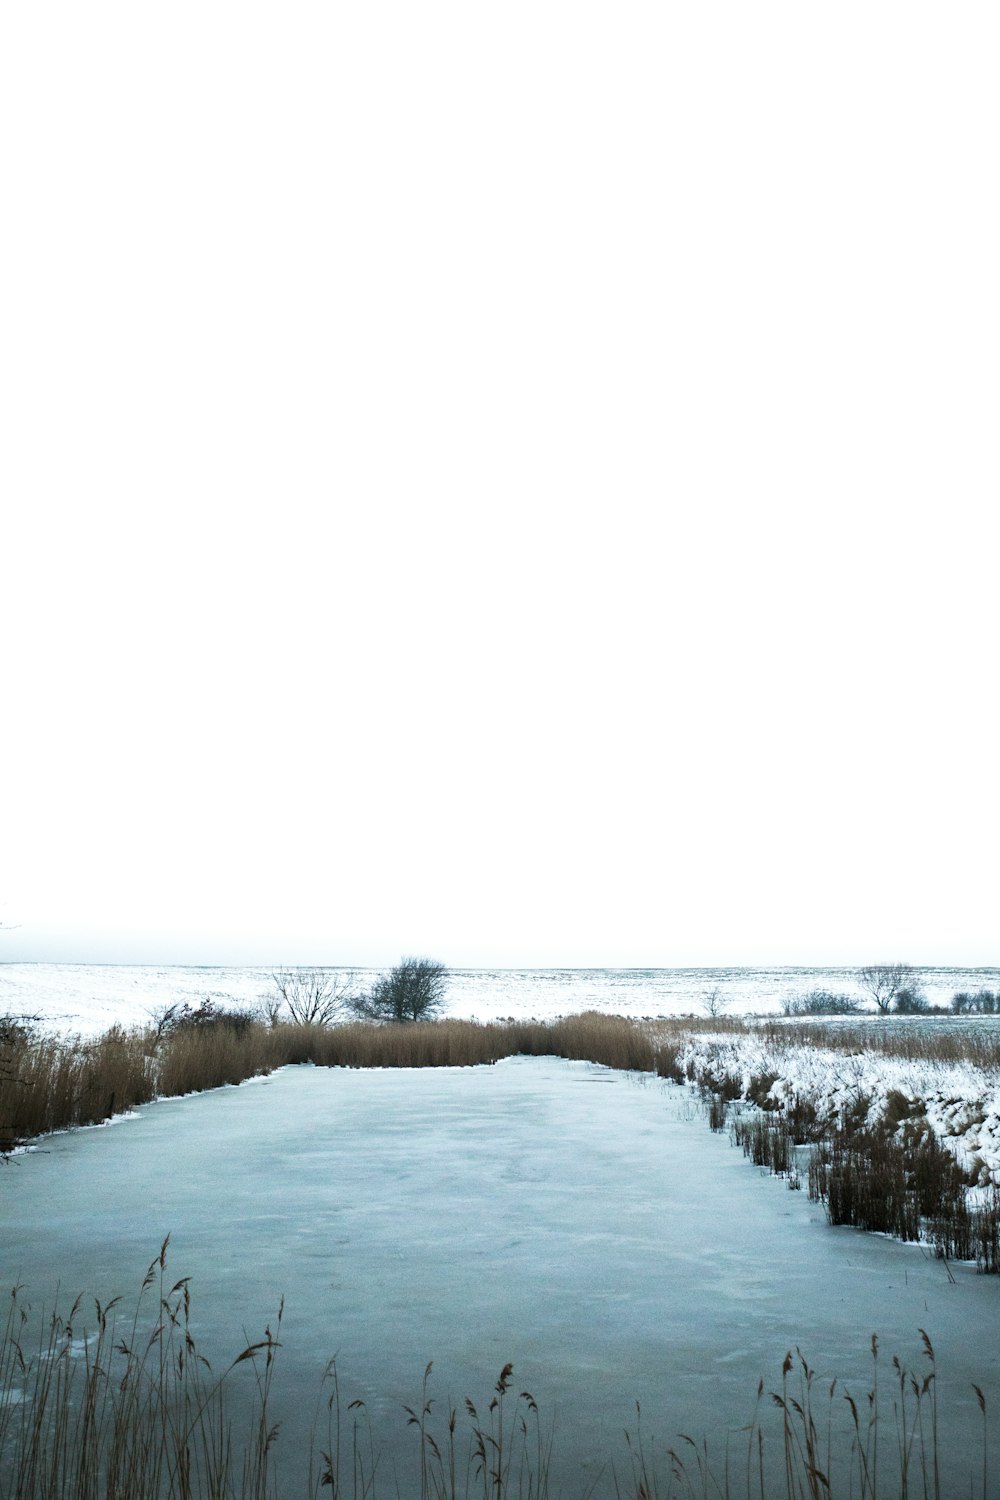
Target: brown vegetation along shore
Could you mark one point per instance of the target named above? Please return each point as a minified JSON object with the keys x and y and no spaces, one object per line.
{"x":49,"y":1084}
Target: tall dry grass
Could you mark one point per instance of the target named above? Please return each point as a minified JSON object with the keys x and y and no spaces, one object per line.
{"x":209,"y":1057}
{"x":941,"y":1039}
{"x":612,"y":1041}
{"x":408,"y":1044}
{"x":48,"y":1084}
{"x":123,"y":1405}
{"x":51,"y":1084}
{"x":904,"y":1184}
{"x":114,"y":1407}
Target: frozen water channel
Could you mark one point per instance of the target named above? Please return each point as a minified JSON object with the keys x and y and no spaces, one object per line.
{"x":581,"y":1223}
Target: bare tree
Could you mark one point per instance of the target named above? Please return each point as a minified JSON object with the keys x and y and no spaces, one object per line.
{"x":883,"y":982}
{"x":270,"y":1008}
{"x":312,"y":997}
{"x":412,"y":991}
{"x":714,"y":1002}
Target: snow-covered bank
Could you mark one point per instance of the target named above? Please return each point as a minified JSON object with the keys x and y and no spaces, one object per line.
{"x":958,"y":1102}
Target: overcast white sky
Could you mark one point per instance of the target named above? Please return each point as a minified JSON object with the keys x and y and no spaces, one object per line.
{"x":509,"y":482}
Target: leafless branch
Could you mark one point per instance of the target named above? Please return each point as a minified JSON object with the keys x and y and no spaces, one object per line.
{"x":312,"y":997}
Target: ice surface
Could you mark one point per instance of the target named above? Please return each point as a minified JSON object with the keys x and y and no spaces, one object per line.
{"x":581,"y":1223}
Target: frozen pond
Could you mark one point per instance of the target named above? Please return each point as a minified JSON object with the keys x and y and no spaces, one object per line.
{"x":581,"y":1223}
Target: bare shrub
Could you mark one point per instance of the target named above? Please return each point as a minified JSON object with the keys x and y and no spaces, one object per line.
{"x":983,"y":1003}
{"x":883,"y":982}
{"x":821,"y":1003}
{"x":412,"y":991}
{"x":911,"y":1001}
{"x":312,"y":997}
{"x":171,"y":1020}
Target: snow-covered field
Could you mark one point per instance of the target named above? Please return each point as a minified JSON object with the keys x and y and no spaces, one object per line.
{"x":88,"y":998}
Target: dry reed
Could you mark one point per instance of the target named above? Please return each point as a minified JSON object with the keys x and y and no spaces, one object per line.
{"x":48,"y":1084}
{"x":920,"y":1039}
{"x":126,"y":1407}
